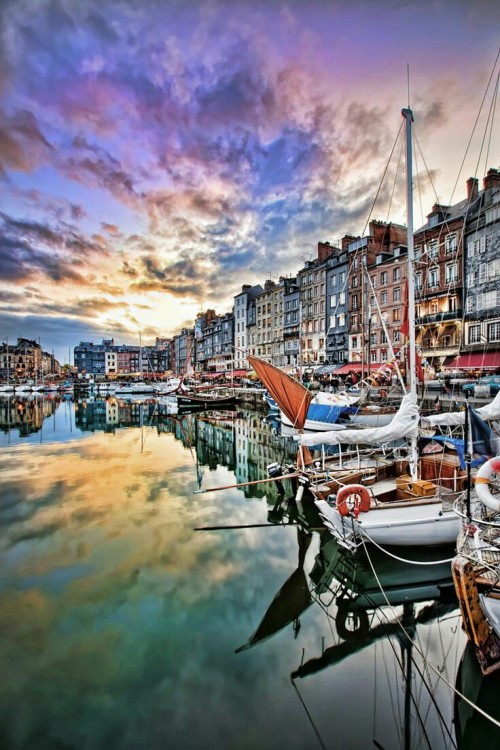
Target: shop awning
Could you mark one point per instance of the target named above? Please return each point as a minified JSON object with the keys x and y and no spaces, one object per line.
{"x":476,"y":361}
{"x":355,"y":367}
{"x":325,"y":369}
{"x":237,"y":374}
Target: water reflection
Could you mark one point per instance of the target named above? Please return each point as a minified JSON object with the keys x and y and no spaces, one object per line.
{"x":119,"y":623}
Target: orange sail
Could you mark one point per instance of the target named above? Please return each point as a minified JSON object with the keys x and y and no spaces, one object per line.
{"x":290,"y":395}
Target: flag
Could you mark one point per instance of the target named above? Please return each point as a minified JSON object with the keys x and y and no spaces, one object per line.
{"x":404,"y":328}
{"x":481,"y":435}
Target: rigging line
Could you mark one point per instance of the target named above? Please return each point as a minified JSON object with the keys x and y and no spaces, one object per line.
{"x":475,"y":124}
{"x":453,"y":688}
{"x":399,"y":659}
{"x":422,"y":672}
{"x":492,"y":119}
{"x":383,"y":622}
{"x":316,"y":731}
{"x":383,"y":177}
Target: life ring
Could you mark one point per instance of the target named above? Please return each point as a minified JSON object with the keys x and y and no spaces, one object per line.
{"x":482,"y":482}
{"x":355,"y":498}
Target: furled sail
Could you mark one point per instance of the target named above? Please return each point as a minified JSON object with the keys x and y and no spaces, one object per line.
{"x":290,"y":395}
{"x":454,"y":418}
{"x":404,"y":424}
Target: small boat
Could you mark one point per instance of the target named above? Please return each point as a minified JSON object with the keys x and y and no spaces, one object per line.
{"x":134,"y":389}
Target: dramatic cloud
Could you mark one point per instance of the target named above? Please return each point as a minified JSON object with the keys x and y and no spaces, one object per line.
{"x":155,"y":156}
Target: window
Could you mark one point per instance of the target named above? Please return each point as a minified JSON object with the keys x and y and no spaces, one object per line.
{"x":418,"y":280}
{"x":418,"y":252}
{"x":383,"y":298}
{"x":333,"y":300}
{"x":373,"y":339}
{"x":342,"y":298}
{"x":395,"y":336}
{"x":342,"y":278}
{"x":451,"y":273}
{"x":354,"y":342}
{"x":475,"y":247}
{"x":396,"y":315}
{"x":374,"y":281}
{"x":396,"y":274}
{"x":433,"y":277}
{"x":433,"y":249}
{"x":450,"y":243}
{"x":474,"y":334}
{"x":334,"y":280}
{"x":397,"y":294}
{"x":494,"y":331}
{"x":493,"y":268}
{"x":383,"y":278}
{"x":493,"y":214}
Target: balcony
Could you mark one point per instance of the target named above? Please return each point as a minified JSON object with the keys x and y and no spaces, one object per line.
{"x":440,"y":317}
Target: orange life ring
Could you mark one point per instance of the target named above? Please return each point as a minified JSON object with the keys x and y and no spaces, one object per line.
{"x":355,"y":498}
{"x":482,"y":482}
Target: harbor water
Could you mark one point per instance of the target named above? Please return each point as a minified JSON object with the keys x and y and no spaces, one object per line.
{"x":127,"y":624}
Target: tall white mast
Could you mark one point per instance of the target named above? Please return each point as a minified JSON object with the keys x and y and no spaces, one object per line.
{"x":408,"y":115}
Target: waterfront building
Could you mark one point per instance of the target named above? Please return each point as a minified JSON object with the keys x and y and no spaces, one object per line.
{"x":386,"y":304}
{"x":336,"y":304}
{"x":184,"y":352}
{"x":381,"y":241}
{"x":244,"y":319}
{"x":24,"y":361}
{"x":438,"y":283}
{"x":312,"y":283}
{"x":291,"y":325}
{"x":481,"y":335}
{"x":266,"y":337}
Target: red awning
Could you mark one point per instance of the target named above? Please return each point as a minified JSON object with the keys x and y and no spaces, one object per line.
{"x":355,"y":367}
{"x":476,"y":361}
{"x":237,"y":374}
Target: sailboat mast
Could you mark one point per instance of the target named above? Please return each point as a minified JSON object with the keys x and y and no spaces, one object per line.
{"x":408,"y":115}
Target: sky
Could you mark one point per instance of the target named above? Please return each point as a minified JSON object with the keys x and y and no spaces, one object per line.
{"x":157,"y":155}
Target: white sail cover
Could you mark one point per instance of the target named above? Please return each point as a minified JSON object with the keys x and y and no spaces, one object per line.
{"x":455,"y":418}
{"x":404,"y":424}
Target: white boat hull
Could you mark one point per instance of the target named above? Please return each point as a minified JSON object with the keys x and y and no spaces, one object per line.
{"x":410,"y":524}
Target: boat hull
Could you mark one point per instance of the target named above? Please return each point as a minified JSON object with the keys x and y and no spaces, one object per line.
{"x":411,"y":524}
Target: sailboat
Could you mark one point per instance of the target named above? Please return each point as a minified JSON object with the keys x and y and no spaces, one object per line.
{"x":379,"y":491}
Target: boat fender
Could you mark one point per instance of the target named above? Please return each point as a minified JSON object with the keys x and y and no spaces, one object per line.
{"x":482,"y":482}
{"x":353,"y":498}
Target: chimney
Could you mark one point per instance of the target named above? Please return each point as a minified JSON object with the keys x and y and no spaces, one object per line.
{"x":472,"y":189}
{"x":324,"y":251}
{"x":492,"y":179}
{"x":347,"y":239}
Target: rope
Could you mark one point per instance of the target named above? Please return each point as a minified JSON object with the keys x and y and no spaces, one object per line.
{"x":402,"y":559}
{"x":428,"y":663}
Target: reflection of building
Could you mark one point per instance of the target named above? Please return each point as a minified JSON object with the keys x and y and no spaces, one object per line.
{"x":25,"y":415}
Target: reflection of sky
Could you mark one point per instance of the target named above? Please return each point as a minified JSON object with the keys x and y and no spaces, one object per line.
{"x":155,"y":156}
{"x":119,"y":623}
